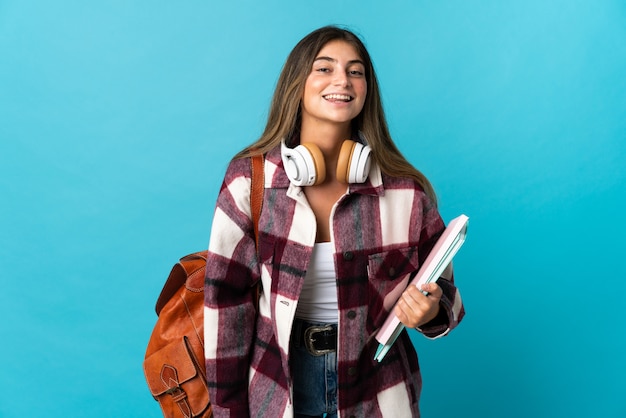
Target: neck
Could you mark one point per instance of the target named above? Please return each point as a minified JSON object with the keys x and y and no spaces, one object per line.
{"x":327,"y":137}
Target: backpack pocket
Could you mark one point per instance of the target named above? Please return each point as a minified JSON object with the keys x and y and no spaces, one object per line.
{"x":176,"y":379}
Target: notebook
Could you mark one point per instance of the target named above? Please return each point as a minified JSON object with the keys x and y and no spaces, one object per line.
{"x":438,"y":259}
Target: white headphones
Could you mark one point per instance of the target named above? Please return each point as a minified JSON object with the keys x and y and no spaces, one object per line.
{"x":305,"y":164}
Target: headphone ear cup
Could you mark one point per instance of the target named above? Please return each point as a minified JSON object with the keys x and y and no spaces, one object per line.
{"x":319,"y":165}
{"x":361,"y":162}
{"x":353,"y":164}
{"x":343,"y":162}
{"x":304,"y":164}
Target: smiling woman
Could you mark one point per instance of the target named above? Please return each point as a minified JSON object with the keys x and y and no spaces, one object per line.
{"x":346,"y":222}
{"x":117,"y":120}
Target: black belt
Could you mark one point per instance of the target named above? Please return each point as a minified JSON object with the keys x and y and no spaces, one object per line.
{"x":318,"y":339}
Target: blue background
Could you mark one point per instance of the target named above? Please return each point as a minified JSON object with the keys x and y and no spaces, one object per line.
{"x":117,"y":120}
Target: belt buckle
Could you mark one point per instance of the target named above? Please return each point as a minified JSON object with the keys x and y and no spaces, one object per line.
{"x":309,"y":340}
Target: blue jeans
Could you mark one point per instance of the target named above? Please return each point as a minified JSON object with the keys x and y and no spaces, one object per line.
{"x":314,"y":381}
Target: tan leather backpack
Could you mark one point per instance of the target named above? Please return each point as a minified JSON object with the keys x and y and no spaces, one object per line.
{"x":174,"y":360}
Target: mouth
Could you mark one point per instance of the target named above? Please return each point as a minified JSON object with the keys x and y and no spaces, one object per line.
{"x":338,"y":97}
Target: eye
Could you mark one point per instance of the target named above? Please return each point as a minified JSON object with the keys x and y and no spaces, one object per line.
{"x":323,"y":70}
{"x":356,"y":70}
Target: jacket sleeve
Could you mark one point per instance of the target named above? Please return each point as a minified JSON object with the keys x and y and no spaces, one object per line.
{"x":229,"y":312}
{"x":451,"y":310}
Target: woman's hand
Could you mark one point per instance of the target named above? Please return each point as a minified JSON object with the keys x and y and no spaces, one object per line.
{"x":414,"y":309}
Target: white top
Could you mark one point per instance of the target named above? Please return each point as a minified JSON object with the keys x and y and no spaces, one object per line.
{"x":318,"y":299}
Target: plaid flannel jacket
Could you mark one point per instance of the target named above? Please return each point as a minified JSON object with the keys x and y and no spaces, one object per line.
{"x":381,"y":231}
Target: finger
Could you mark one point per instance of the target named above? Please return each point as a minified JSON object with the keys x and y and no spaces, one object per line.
{"x":413,"y":306}
{"x":433,"y":289}
{"x":405,"y":313}
{"x":402,"y":310}
{"x":414,"y":297}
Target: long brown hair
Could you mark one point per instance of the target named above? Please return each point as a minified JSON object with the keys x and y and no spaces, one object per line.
{"x":284,"y":113}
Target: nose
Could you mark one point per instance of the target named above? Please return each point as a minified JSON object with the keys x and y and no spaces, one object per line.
{"x":341,"y":79}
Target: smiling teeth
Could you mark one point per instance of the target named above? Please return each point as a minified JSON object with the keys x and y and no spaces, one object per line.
{"x":338,"y":97}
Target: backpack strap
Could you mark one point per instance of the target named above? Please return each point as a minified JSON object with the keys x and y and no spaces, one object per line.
{"x":256,"y":192}
{"x":257,"y":188}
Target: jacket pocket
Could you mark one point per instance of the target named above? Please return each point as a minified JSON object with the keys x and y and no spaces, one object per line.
{"x":389,"y":273}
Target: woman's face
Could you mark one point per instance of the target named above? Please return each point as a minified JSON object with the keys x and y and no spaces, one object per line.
{"x":335,"y":89}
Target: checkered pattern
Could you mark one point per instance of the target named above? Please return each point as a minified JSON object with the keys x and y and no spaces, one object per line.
{"x":382,"y":230}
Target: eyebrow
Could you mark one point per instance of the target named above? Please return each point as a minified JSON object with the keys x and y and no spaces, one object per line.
{"x":330,"y":59}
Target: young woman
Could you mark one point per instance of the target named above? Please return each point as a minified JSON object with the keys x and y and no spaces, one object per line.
{"x":346,"y":222}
